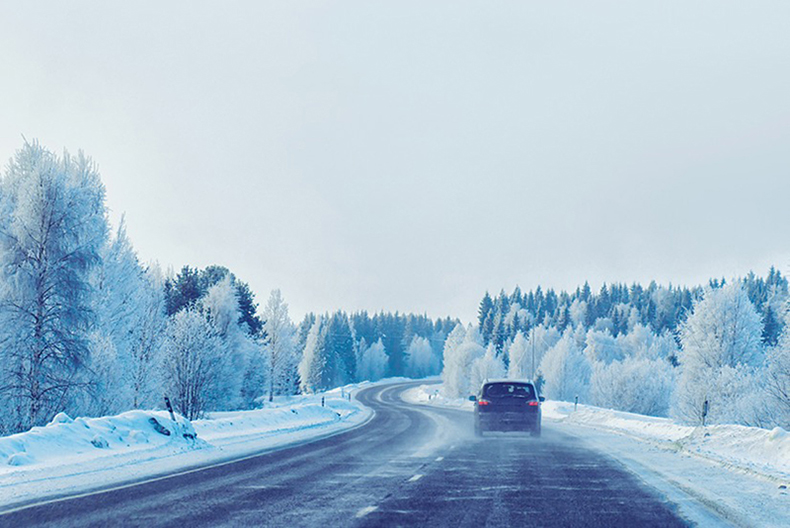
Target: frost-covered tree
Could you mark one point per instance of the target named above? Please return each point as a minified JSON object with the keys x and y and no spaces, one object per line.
{"x":127,"y":335}
{"x":147,"y":341}
{"x":52,"y":228}
{"x":566,"y":370}
{"x":777,"y":379}
{"x":721,"y":341}
{"x":641,"y":342}
{"x":485,"y":368}
{"x":280,"y":343}
{"x":240,"y":353}
{"x":636,"y":385}
{"x":602,"y":346}
{"x":451,"y":377}
{"x":458,"y":362}
{"x":313,"y":363}
{"x":193,"y":363}
{"x":373,"y":362}
{"x":519,"y":366}
{"x":421,"y":361}
{"x":541,"y":338}
{"x":340,"y":367}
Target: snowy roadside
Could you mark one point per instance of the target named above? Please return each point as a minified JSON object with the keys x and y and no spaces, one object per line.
{"x":739,"y":473}
{"x":75,"y":456}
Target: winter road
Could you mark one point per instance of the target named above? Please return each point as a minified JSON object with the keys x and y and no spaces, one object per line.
{"x":408,"y":466}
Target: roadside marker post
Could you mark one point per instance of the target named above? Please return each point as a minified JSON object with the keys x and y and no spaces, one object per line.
{"x":704,"y":412}
{"x":170,"y":408}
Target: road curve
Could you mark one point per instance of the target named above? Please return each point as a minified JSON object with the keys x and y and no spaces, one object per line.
{"x":409,"y":466}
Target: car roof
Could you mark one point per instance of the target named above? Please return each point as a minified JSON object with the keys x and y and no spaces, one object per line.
{"x":524,"y":381}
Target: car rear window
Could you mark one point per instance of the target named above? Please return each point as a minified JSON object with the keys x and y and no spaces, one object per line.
{"x":519,"y":390}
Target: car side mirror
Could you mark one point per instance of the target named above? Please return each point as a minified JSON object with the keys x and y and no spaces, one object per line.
{"x":473,"y":398}
{"x":541,"y":398}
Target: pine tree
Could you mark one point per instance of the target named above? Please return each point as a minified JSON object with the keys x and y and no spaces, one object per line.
{"x":313,"y":364}
{"x":486,"y":306}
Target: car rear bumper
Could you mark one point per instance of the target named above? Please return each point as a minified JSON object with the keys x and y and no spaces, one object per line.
{"x":508,"y":421}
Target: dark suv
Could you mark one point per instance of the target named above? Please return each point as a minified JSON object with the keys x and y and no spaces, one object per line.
{"x":507,"y":405}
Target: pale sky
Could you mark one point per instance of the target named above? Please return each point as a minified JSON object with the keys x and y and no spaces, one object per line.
{"x":412,"y":155}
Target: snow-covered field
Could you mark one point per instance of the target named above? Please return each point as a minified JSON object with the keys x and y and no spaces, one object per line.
{"x":739,"y":473}
{"x":76,"y":455}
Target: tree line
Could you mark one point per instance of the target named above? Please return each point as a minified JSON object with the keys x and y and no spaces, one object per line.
{"x":718,"y":353}
{"x":87,"y":329}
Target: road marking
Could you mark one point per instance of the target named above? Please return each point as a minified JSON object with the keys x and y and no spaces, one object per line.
{"x":365,"y":511}
{"x":415,"y":478}
{"x":439,"y":459}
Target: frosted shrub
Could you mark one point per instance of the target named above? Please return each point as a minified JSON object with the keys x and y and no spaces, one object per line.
{"x":634,"y":385}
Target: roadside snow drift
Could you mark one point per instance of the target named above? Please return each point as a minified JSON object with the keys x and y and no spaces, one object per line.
{"x":75,"y":455}
{"x":65,"y":440}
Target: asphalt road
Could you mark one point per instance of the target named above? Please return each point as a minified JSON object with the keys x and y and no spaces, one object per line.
{"x":409,"y":466}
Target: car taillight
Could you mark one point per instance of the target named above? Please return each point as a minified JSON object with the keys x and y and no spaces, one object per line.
{"x":483,"y":403}
{"x":534,"y":404}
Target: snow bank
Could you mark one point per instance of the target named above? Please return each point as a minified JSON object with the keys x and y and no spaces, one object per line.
{"x":763,"y":451}
{"x":65,"y":440}
{"x":288,"y":415}
{"x":74,"y":455}
{"x":760,"y":450}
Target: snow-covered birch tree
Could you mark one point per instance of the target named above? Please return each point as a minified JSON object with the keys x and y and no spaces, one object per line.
{"x":458,"y":360}
{"x":193,"y":362}
{"x":566,"y":370}
{"x":240,"y":352}
{"x":488,"y":367}
{"x":147,"y":341}
{"x":280,"y":345}
{"x":720,"y":345}
{"x":121,"y":290}
{"x":52,"y":228}
{"x":518,"y":353}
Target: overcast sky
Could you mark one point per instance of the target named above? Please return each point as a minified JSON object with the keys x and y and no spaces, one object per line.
{"x":412,"y":155}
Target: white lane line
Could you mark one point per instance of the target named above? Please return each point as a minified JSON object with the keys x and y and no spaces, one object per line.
{"x":365,"y":511}
{"x":439,"y":459}
{"x":415,"y":478}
